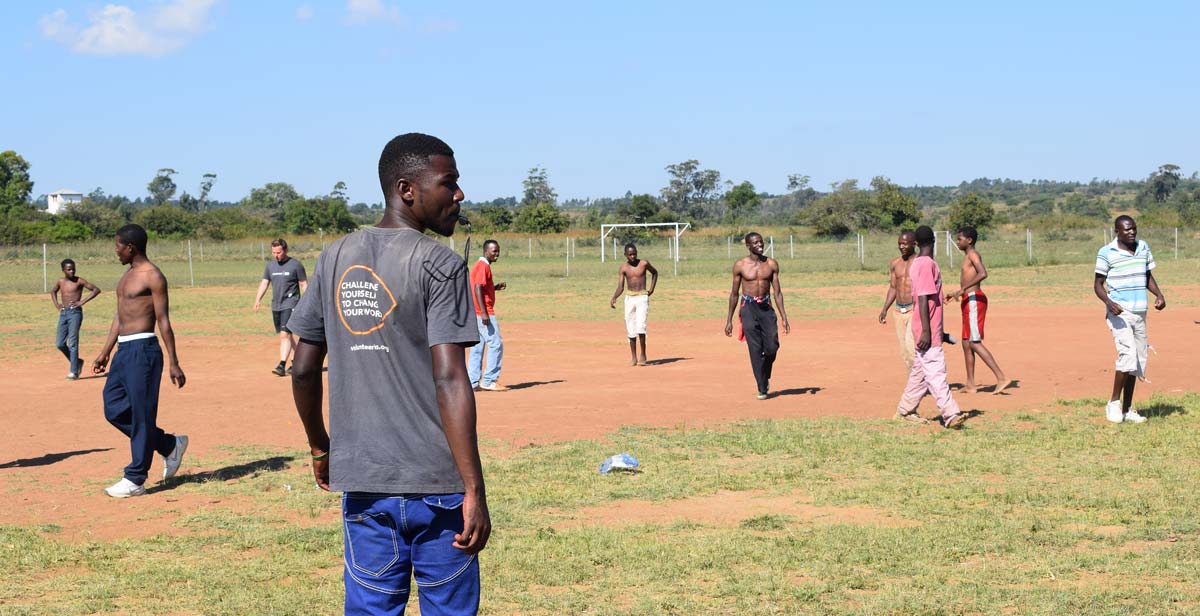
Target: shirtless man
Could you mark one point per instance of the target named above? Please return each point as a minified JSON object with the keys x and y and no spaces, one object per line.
{"x":70,"y":314}
{"x":754,"y":277}
{"x":974,"y":310}
{"x":131,"y":393}
{"x":900,"y":292}
{"x":631,"y":279}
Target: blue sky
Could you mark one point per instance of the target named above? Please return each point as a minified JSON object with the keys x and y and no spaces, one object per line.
{"x":603,"y":95}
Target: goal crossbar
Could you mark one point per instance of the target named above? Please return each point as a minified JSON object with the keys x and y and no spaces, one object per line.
{"x":679,"y":228}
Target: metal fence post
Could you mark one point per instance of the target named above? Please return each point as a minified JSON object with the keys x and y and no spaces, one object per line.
{"x":45,"y":282}
{"x":191,"y":272}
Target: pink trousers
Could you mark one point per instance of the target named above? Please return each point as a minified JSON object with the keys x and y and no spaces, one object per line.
{"x":928,"y":376}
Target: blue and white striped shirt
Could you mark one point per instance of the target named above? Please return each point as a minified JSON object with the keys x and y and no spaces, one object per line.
{"x":1126,"y":273}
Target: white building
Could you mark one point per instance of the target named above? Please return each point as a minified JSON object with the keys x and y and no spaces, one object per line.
{"x":58,"y":200}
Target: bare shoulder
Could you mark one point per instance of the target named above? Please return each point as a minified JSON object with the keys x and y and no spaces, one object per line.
{"x":773,"y":264}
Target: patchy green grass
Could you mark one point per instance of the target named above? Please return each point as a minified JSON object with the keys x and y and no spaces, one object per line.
{"x":1054,"y":512}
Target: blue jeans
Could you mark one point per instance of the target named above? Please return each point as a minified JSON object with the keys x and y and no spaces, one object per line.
{"x":69,"y":320}
{"x":131,"y":404}
{"x":489,"y":336}
{"x":390,"y":538}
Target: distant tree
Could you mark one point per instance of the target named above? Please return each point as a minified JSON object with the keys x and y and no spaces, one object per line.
{"x":231,"y":223}
{"x":540,"y":218}
{"x":206,"y":184}
{"x":741,"y":201}
{"x":102,"y":220}
{"x":69,"y":230}
{"x":167,"y":221}
{"x":269,"y":199}
{"x":339,"y":192}
{"x":162,"y":187}
{"x":638,"y":209}
{"x":797,"y":182}
{"x":690,"y":188}
{"x":537,"y":188}
{"x":15,"y":184}
{"x":891,"y":207}
{"x":972,"y":210}
{"x":319,"y":213}
{"x":844,"y":209}
{"x":1163,"y":182}
{"x":495,"y":217}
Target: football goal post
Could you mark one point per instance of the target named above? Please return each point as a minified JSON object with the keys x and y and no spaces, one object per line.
{"x":673,"y":241}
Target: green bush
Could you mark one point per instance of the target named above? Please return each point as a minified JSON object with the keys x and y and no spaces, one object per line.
{"x":167,"y":221}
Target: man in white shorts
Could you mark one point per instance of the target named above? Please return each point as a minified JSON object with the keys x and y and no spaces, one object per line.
{"x":1126,"y":265}
{"x":631,"y":279}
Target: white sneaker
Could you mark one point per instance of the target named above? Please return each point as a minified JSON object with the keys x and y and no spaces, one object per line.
{"x":1112,"y":411}
{"x":171,"y":463}
{"x":124,"y":489}
{"x":1133,"y":416}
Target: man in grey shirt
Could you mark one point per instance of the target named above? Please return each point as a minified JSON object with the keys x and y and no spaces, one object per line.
{"x":286,"y":278}
{"x":391,"y":308}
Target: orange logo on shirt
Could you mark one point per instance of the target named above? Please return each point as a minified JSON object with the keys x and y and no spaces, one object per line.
{"x":364,"y":301}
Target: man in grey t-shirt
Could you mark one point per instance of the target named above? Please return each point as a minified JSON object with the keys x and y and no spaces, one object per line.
{"x":391,"y":308}
{"x":286,"y":278}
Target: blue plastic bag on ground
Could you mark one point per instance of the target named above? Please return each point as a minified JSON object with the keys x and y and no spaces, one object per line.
{"x":621,"y":462}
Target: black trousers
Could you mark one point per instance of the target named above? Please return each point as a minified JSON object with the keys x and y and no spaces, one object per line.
{"x":762,"y":339}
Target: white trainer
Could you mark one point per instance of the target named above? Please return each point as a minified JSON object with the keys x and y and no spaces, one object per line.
{"x":1113,"y":413}
{"x":124,"y":489}
{"x":1133,"y":416}
{"x":171,"y":463}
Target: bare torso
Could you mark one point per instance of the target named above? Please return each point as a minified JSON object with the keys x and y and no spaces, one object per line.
{"x":135,"y":302}
{"x":70,"y":291}
{"x":968,"y":271}
{"x":635,"y":275}
{"x":903,"y":284}
{"x":756,"y":275}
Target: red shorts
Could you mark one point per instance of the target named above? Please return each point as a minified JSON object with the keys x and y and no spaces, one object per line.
{"x":974,"y":313}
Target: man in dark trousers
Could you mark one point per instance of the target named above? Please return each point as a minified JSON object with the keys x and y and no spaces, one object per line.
{"x":754,"y":277}
{"x":131,"y":392}
{"x":391,"y":308}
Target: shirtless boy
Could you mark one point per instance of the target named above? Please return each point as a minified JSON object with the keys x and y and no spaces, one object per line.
{"x":754,"y":278}
{"x":631,"y":279}
{"x":974,"y":310}
{"x":70,"y":314}
{"x":900,"y":292}
{"x":131,"y":393}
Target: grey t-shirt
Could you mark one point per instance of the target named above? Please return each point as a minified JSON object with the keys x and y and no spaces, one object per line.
{"x":380,"y":299}
{"x":285,"y":282}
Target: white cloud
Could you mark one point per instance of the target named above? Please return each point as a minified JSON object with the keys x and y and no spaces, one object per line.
{"x":304,"y":12}
{"x":361,"y":12}
{"x":119,"y":30}
{"x":190,"y":16}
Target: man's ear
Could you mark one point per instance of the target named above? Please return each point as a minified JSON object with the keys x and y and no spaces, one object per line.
{"x":406,"y":189}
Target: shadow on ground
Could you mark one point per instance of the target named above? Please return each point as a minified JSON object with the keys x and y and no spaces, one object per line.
{"x":49,"y":458}
{"x":665,"y":360}
{"x":1162,"y":409}
{"x":237,"y":471}
{"x":796,"y":391}
{"x":528,"y":384}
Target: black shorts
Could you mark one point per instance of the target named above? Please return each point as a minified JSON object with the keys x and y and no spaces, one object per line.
{"x":281,"y":318}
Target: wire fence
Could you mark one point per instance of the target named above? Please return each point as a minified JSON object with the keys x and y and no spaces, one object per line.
{"x":33,"y":269}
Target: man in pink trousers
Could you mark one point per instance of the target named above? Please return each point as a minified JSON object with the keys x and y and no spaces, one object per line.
{"x":928,"y":373}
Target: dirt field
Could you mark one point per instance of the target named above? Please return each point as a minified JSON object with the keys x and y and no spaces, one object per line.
{"x":569,"y":381}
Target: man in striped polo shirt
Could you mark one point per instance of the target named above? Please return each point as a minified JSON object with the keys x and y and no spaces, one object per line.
{"x":1125,"y":265}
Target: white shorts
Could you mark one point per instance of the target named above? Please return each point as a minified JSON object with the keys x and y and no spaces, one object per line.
{"x":636,"y":307}
{"x":1129,"y":333}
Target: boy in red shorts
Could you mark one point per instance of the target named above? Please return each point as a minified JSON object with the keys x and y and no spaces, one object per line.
{"x":974,"y":310}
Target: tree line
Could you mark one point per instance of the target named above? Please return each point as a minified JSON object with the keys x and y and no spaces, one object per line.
{"x":691,"y":194}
